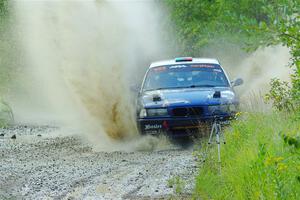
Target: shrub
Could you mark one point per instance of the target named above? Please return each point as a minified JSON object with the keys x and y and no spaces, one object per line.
{"x":280,"y":95}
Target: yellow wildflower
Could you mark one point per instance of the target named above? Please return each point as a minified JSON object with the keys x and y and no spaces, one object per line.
{"x":273,"y":160}
{"x":278,"y":159}
{"x":281,"y":167}
{"x":238,"y":114}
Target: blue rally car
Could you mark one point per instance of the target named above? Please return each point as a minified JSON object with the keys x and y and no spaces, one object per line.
{"x":179,"y":96}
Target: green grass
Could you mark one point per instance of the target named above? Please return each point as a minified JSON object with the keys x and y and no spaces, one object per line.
{"x":261,"y":160}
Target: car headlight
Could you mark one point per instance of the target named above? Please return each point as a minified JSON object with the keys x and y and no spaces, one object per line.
{"x":143,"y":113}
{"x":157,"y":112}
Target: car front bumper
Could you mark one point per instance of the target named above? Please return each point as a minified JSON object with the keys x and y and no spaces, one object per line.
{"x":177,"y":127}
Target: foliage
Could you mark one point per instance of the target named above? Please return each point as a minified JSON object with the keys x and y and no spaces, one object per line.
{"x":290,"y":36}
{"x":3,"y":8}
{"x":287,"y":32}
{"x":259,"y":161}
{"x":280,"y":94}
{"x":202,"y":22}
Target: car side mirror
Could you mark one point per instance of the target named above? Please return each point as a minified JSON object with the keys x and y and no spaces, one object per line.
{"x":237,"y":82}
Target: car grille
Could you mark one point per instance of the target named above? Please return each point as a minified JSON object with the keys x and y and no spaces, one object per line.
{"x":184,"y":112}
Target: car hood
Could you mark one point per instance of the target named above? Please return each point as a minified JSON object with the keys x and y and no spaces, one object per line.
{"x":187,"y":96}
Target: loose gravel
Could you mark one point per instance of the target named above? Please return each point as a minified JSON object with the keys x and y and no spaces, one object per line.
{"x":39,"y":164}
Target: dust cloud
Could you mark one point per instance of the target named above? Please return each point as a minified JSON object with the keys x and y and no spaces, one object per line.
{"x":256,"y":69}
{"x":80,"y":59}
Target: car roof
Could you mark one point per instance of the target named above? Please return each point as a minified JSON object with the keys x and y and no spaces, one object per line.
{"x":194,"y":61}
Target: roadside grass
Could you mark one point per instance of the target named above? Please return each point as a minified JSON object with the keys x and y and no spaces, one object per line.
{"x":261,"y":160}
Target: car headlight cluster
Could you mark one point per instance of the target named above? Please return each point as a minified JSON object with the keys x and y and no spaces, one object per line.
{"x":226,"y":108}
{"x":143,"y":113}
{"x":153,"y":112}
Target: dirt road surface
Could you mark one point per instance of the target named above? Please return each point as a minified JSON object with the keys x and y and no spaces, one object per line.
{"x":40,"y":164}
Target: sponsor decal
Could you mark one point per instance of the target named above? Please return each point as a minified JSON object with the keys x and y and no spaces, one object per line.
{"x":177,"y":66}
{"x":152,"y":126}
{"x":203,"y":66}
{"x":159,"y":69}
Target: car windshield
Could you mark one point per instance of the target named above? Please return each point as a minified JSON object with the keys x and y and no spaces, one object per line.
{"x":184,"y":76}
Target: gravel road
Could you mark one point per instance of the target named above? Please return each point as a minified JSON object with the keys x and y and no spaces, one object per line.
{"x":40,"y":164}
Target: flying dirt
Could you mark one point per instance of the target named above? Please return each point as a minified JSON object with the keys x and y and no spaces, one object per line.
{"x":81,"y":59}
